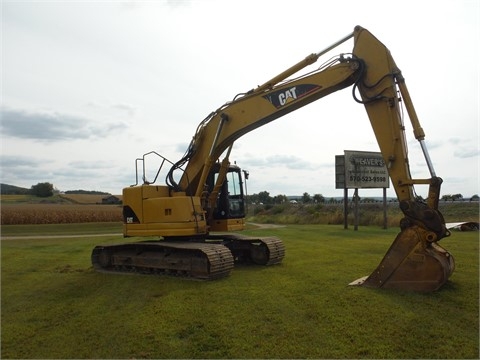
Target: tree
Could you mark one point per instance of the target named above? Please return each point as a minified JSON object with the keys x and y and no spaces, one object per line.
{"x":454,"y":197}
{"x":318,"y":198}
{"x":42,"y":189}
{"x":306,"y":198}
{"x":457,"y":197}
{"x":264,"y":197}
{"x":280,"y":199}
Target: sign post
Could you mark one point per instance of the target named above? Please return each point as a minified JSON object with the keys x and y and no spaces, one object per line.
{"x":355,"y":201}
{"x":385,"y":208}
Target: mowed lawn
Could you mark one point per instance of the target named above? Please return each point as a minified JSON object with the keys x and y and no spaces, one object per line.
{"x":53,"y":305}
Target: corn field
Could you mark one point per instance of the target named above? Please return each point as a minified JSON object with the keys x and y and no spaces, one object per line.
{"x":18,"y":214}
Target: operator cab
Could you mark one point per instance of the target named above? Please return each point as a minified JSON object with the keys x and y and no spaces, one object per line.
{"x":231,"y":198}
{"x":229,"y":212}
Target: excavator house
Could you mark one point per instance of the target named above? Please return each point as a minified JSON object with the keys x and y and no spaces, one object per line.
{"x":189,"y":224}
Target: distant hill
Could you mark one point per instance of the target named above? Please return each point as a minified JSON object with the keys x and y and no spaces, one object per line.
{"x":6,"y":189}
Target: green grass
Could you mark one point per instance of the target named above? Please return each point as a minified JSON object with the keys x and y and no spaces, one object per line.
{"x":62,"y":229}
{"x":55,"y":306}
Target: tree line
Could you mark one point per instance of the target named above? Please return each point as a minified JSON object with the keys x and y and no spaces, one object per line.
{"x":44,"y":189}
{"x":458,"y":197}
{"x":263,"y":197}
{"x":47,"y":189}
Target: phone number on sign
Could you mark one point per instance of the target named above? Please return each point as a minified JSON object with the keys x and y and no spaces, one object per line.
{"x":368,"y":178}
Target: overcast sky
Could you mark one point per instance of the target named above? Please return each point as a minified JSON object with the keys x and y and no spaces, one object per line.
{"x":89,"y":86}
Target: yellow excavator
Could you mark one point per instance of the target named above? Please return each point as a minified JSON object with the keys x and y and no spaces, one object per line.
{"x":190,"y":219}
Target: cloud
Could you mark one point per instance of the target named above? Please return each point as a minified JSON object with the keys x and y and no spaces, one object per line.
{"x":52,"y":127}
{"x":101,"y":175}
{"x":466,"y":152}
{"x":182,"y":147}
{"x":22,"y":170}
{"x":288,"y":161}
{"x":8,"y":161}
{"x":134,"y":72}
{"x":80,"y":164}
{"x":465,"y":147}
{"x":126,"y":108}
{"x":136,"y":5}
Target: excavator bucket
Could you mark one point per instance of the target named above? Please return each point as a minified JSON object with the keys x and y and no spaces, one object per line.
{"x":414,"y":262}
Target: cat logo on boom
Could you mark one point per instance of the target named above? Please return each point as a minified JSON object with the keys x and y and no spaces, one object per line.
{"x":289,"y":94}
{"x":282,"y":97}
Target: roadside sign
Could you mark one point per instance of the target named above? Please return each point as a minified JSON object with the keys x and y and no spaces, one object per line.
{"x":360,"y":170}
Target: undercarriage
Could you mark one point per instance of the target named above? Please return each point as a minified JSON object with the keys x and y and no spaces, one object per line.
{"x":210,"y":259}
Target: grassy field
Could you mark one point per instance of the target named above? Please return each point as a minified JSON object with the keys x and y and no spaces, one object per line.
{"x":55,"y":306}
{"x":62,"y":229}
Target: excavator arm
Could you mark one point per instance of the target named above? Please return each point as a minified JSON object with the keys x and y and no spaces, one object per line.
{"x":255,"y":109}
{"x":415,"y":261}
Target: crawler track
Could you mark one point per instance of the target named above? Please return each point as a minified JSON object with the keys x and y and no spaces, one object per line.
{"x":261,"y":251}
{"x":212,"y":259}
{"x":186,"y":259}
